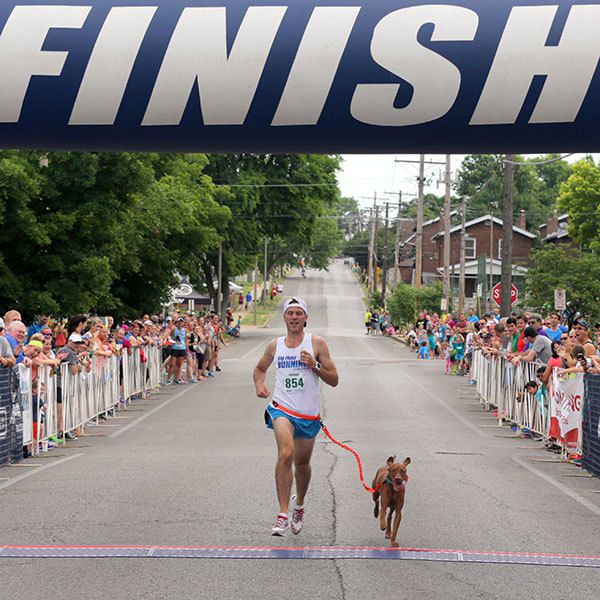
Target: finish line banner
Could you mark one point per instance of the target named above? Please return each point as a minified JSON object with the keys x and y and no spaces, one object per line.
{"x":362,"y":76}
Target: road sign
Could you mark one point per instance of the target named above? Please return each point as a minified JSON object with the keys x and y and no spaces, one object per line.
{"x":560,"y":300}
{"x":497,"y":294}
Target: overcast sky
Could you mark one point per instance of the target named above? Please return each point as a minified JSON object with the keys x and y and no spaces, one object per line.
{"x":364,"y":174}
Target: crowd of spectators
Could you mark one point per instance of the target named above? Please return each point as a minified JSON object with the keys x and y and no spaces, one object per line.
{"x":190,"y":346}
{"x":522,"y":337}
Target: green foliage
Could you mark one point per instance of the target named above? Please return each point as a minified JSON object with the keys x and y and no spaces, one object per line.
{"x":109,"y":232}
{"x":376,"y":299}
{"x":429,"y":297}
{"x":358,"y":247}
{"x":432,"y":206}
{"x":580,"y":199}
{"x":402,"y":304}
{"x":407,"y":301}
{"x":568,"y":269}
{"x":536,"y":186}
{"x":327,"y":239}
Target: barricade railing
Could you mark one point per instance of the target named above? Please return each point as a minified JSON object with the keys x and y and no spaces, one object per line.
{"x":501,"y":384}
{"x":107,"y":385}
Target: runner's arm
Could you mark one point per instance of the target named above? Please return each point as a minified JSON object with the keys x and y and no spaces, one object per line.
{"x":328,"y":373}
{"x":260,"y":371}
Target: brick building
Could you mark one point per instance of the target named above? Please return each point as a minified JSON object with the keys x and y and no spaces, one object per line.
{"x":477,"y":243}
{"x":430,"y":250}
{"x":555,"y":230}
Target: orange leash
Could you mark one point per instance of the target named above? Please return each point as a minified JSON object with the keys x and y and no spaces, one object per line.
{"x":356,"y":456}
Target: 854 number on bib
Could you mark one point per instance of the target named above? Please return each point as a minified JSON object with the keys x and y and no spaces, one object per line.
{"x":294,"y":383}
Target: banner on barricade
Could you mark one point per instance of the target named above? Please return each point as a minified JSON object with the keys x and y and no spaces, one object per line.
{"x":566,"y":398}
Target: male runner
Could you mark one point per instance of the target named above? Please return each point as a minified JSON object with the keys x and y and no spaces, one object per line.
{"x":301,"y":360}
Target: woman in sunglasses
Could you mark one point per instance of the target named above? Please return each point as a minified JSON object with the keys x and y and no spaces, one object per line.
{"x":581,"y":329}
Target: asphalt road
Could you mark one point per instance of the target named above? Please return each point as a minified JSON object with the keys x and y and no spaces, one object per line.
{"x":194,"y":466}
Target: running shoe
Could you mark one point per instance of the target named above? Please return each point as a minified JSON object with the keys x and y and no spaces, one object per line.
{"x":296,"y":517}
{"x":168,"y":382}
{"x":179,"y":381}
{"x":211,"y":374}
{"x":282,"y":523}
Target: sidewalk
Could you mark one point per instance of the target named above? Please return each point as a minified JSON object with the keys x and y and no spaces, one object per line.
{"x":262,"y":315}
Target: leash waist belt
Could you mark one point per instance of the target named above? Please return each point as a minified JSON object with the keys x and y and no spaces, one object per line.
{"x":293,"y":413}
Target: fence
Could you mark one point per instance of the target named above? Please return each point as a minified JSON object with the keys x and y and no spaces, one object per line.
{"x":51,"y":400}
{"x":554,"y":414}
{"x":591,"y":425}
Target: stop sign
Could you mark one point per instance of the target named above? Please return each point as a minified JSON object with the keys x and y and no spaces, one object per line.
{"x":497,"y":294}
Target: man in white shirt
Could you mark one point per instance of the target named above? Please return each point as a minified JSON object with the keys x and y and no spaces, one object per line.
{"x":293,"y":413}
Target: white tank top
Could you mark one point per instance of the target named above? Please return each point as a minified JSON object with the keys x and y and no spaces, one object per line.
{"x":296,"y":385}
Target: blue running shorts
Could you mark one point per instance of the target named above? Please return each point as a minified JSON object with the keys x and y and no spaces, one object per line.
{"x":303,"y":428}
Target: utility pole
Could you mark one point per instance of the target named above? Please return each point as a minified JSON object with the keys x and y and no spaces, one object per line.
{"x":385,"y":255}
{"x":461,"y":285}
{"x":419,"y":237}
{"x":375,"y":248}
{"x":447,"y":210}
{"x":372,"y":270}
{"x":370,"y":257}
{"x":493,"y":206}
{"x":255,"y":295}
{"x":265,"y":274}
{"x":507,"y":234}
{"x":419,"y":231}
{"x":396,"y":271}
{"x":220,"y":280}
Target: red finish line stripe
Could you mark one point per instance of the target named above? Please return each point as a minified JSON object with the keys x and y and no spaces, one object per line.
{"x":300,"y":552}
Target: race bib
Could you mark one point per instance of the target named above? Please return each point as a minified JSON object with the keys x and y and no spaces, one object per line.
{"x":294,"y":382}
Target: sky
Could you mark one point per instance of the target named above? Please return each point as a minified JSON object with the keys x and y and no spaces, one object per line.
{"x":364,"y":174}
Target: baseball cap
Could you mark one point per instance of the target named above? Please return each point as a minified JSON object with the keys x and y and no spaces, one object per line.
{"x":292,"y":302}
{"x":583,"y":323}
{"x":36,"y":343}
{"x":75,"y":337}
{"x":169,"y":318}
{"x":148,"y":322}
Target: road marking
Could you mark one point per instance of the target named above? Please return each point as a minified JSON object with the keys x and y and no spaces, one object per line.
{"x":464,"y":421}
{"x":18,"y":478}
{"x":253,"y":349}
{"x":563,"y":488}
{"x":151,"y":412}
{"x":300,"y":552}
{"x":369,"y":347}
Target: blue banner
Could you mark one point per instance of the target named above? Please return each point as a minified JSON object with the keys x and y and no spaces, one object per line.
{"x":348,"y":76}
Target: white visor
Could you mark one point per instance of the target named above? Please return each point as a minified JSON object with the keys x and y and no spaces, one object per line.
{"x":292,"y":302}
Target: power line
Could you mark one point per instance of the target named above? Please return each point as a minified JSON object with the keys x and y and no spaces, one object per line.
{"x":540,"y":162}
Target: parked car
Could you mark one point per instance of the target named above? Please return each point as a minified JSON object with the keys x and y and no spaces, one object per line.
{"x":233,"y":287}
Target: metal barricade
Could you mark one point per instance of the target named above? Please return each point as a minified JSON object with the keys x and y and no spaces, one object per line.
{"x":501,"y":385}
{"x":109,"y":383}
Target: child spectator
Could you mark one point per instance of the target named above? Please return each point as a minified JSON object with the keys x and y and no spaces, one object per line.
{"x":424,"y":351}
{"x":446,"y":355}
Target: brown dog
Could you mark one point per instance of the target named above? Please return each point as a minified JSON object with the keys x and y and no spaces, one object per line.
{"x":393,"y":477}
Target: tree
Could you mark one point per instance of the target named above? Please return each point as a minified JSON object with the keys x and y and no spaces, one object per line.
{"x":535,"y":191}
{"x":580,"y":198}
{"x":406,"y":301}
{"x":326,"y":243}
{"x":101,"y":232}
{"x":559,"y":268}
